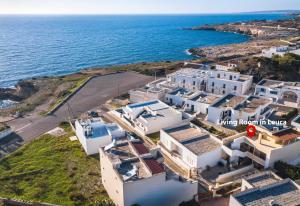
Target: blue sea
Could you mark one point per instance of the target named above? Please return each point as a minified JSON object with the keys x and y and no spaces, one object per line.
{"x":33,"y":46}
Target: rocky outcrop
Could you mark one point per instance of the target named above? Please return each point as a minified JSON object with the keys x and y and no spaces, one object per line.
{"x":23,"y":90}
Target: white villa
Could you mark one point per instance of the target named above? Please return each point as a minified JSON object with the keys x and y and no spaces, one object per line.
{"x":200,"y":102}
{"x":94,"y":133}
{"x":191,"y":147}
{"x":226,"y":67}
{"x":134,"y":175}
{"x":152,"y":91}
{"x":152,"y":116}
{"x":253,"y":108}
{"x":266,"y":188}
{"x":232,"y":107}
{"x":287,"y":93}
{"x":212,"y":81}
{"x":265,"y":148}
{"x":179,"y":96}
{"x":281,"y":51}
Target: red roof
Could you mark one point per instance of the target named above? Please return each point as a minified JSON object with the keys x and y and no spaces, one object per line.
{"x":140,"y":148}
{"x":154,"y":166}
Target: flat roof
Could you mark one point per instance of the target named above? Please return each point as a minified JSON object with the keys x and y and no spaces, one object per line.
{"x":262,"y":179}
{"x":252,"y":103}
{"x":129,"y":160}
{"x":181,"y":92}
{"x":143,"y":104}
{"x":184,"y":132}
{"x":193,"y":139}
{"x":278,"y":84}
{"x":284,"y":193}
{"x":201,"y":145}
{"x":205,"y":98}
{"x":229,"y":100}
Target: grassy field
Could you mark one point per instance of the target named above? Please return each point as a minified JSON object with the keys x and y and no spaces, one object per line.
{"x":53,"y":170}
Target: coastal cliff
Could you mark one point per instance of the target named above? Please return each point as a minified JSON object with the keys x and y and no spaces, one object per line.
{"x":263,"y":34}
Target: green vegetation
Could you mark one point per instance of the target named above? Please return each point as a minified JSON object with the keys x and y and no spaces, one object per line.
{"x":285,"y":68}
{"x":54,"y":170}
{"x":154,"y":137}
{"x":290,"y":114}
{"x":3,"y":127}
{"x":211,"y":129}
{"x":286,"y":170}
{"x":64,"y":94}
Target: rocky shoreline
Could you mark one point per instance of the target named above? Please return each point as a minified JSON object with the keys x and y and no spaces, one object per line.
{"x":263,"y":34}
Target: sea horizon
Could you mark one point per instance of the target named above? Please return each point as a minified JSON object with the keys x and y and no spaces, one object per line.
{"x":63,"y":44}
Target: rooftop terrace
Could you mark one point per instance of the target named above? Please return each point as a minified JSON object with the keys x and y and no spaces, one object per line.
{"x":262,"y":179}
{"x":229,"y":100}
{"x":252,"y":103}
{"x":284,"y":193}
{"x":194,"y":139}
{"x":205,"y":98}
{"x":278,"y":84}
{"x":185,"y":132}
{"x":133,"y":161}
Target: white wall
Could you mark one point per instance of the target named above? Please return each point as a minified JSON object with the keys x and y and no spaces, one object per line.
{"x":159,"y":191}
{"x":286,"y":154}
{"x":155,"y":190}
{"x":214,"y":114}
{"x":111,"y":181}
{"x":91,"y":145}
{"x":209,"y":159}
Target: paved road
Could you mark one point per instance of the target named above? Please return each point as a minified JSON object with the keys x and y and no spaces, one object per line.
{"x":95,"y":92}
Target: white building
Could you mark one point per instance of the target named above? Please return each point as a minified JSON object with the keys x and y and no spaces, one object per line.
{"x":269,"y":53}
{"x":280,"y":51}
{"x":132,"y":174}
{"x":253,"y":108}
{"x":200,"y":102}
{"x":222,"y":109}
{"x":226,"y":66}
{"x":150,"y":117}
{"x":179,"y":96}
{"x":287,"y":93}
{"x":154,"y":90}
{"x":265,"y":148}
{"x":266,"y":188}
{"x":212,"y":81}
{"x":239,"y":108}
{"x":94,"y":133}
{"x":191,"y":147}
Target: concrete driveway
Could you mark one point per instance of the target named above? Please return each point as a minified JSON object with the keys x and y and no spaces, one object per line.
{"x":94,"y":93}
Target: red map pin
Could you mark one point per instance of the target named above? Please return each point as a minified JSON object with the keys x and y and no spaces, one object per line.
{"x":251,"y":130}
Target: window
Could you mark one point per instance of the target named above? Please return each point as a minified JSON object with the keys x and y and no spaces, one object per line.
{"x":224,"y":86}
{"x":263,"y":90}
{"x":212,"y":90}
{"x":223,"y":92}
{"x":230,"y":77}
{"x":274,"y":92}
{"x":213,"y":84}
{"x":194,"y":83}
{"x":234,"y":88}
{"x":218,"y":75}
{"x":183,"y":81}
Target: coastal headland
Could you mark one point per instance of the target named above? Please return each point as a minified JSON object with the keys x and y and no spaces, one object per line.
{"x":264,"y":34}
